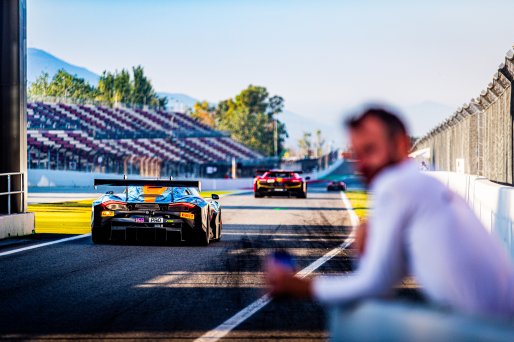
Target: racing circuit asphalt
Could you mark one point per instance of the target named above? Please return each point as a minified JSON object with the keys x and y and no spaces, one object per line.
{"x":77,"y":289}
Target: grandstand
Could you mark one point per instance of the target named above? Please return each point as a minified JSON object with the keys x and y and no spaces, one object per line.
{"x":126,"y":140}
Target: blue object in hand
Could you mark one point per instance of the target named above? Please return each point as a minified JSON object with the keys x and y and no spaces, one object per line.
{"x":284,"y":259}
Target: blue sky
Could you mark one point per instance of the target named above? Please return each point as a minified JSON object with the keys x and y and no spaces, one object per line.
{"x":323,"y":57}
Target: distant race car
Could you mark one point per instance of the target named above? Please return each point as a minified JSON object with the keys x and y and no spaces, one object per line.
{"x":280,"y":182}
{"x":336,"y":186}
{"x":158,"y":210}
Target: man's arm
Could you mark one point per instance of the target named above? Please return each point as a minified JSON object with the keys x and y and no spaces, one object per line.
{"x":381,"y":266}
{"x":359,"y":241}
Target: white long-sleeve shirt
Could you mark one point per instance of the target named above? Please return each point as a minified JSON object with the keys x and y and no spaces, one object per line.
{"x":418,"y":227}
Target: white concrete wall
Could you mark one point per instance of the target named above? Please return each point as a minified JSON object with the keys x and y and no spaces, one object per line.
{"x":492,"y":203}
{"x":16,"y":225}
{"x":50,"y":178}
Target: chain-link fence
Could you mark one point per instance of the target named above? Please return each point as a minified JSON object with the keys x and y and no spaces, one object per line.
{"x":478,"y":138}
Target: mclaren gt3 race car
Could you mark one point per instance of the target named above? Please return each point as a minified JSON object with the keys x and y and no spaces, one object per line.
{"x":279,"y":182}
{"x":155,"y":210}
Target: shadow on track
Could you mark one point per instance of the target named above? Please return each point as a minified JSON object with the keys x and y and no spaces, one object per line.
{"x":271,"y":207}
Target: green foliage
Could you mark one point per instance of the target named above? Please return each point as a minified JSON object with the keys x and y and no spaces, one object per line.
{"x":106,"y":87}
{"x":40,"y":86}
{"x":205,"y":113}
{"x":113,"y":88}
{"x":305,"y":145}
{"x":311,"y":145}
{"x":142,"y":90}
{"x":250,"y":119}
{"x":64,"y":85}
{"x":319,"y":143}
{"x":120,"y":87}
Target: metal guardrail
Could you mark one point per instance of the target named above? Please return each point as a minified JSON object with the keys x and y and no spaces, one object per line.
{"x":9,"y":193}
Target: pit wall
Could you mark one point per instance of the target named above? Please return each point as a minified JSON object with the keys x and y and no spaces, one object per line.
{"x":80,"y":179}
{"x":493,"y":203}
{"x":16,"y":225}
{"x":59,"y":178}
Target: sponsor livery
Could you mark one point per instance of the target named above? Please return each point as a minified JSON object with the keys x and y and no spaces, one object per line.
{"x":155,"y":210}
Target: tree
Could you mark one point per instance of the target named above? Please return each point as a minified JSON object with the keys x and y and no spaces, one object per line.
{"x":120,"y":87}
{"x":319,"y":144}
{"x":63,"y":84}
{"x":205,"y":113}
{"x":276,"y":104}
{"x":305,"y":145}
{"x":40,"y":86}
{"x":106,"y":88}
{"x":142,"y":90}
{"x":112,"y":88}
{"x":250,"y":119}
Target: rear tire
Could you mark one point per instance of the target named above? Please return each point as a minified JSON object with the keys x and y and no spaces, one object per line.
{"x":220,"y":227}
{"x":205,"y":237}
{"x":258,"y":195}
{"x":99,"y":236}
{"x":302,"y":195}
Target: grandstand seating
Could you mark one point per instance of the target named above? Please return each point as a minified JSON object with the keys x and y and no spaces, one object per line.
{"x":83,"y":133}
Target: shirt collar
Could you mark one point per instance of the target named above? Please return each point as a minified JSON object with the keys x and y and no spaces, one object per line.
{"x":407,"y":165}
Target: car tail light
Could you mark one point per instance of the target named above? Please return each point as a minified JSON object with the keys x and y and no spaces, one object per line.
{"x":115,"y":205}
{"x":181,"y":207}
{"x":296,"y":181}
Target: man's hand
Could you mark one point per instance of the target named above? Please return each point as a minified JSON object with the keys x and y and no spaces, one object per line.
{"x":360,"y":238}
{"x":283,"y":283}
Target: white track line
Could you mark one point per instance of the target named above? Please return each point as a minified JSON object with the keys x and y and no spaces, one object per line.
{"x":44,"y":244}
{"x":224,"y":328}
{"x":354,"y":219}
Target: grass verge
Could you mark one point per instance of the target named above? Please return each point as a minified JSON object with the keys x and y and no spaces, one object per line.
{"x":359,"y":200}
{"x":73,"y":217}
{"x":63,"y":218}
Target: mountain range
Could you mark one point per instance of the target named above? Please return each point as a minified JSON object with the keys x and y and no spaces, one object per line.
{"x":421,"y":116}
{"x":39,"y":61}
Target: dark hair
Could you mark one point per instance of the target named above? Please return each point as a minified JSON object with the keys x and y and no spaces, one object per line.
{"x":392,"y":122}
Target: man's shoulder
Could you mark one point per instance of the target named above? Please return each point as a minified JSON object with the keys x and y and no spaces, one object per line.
{"x":407,"y":183}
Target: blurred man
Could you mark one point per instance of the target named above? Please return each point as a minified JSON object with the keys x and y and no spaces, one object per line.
{"x":416,"y":227}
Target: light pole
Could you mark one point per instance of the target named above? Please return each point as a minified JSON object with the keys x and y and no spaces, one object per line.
{"x":275,"y":135}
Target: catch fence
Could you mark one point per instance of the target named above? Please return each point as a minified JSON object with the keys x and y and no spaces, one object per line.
{"x":478,"y":138}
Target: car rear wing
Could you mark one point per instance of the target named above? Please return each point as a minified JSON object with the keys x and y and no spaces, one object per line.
{"x":260,"y":172}
{"x":148,"y":182}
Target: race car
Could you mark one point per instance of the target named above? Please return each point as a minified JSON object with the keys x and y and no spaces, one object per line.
{"x":336,"y":186}
{"x":156,"y":210}
{"x":280,"y":182}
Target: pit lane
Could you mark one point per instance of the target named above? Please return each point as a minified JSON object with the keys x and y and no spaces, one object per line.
{"x":79,"y":290}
